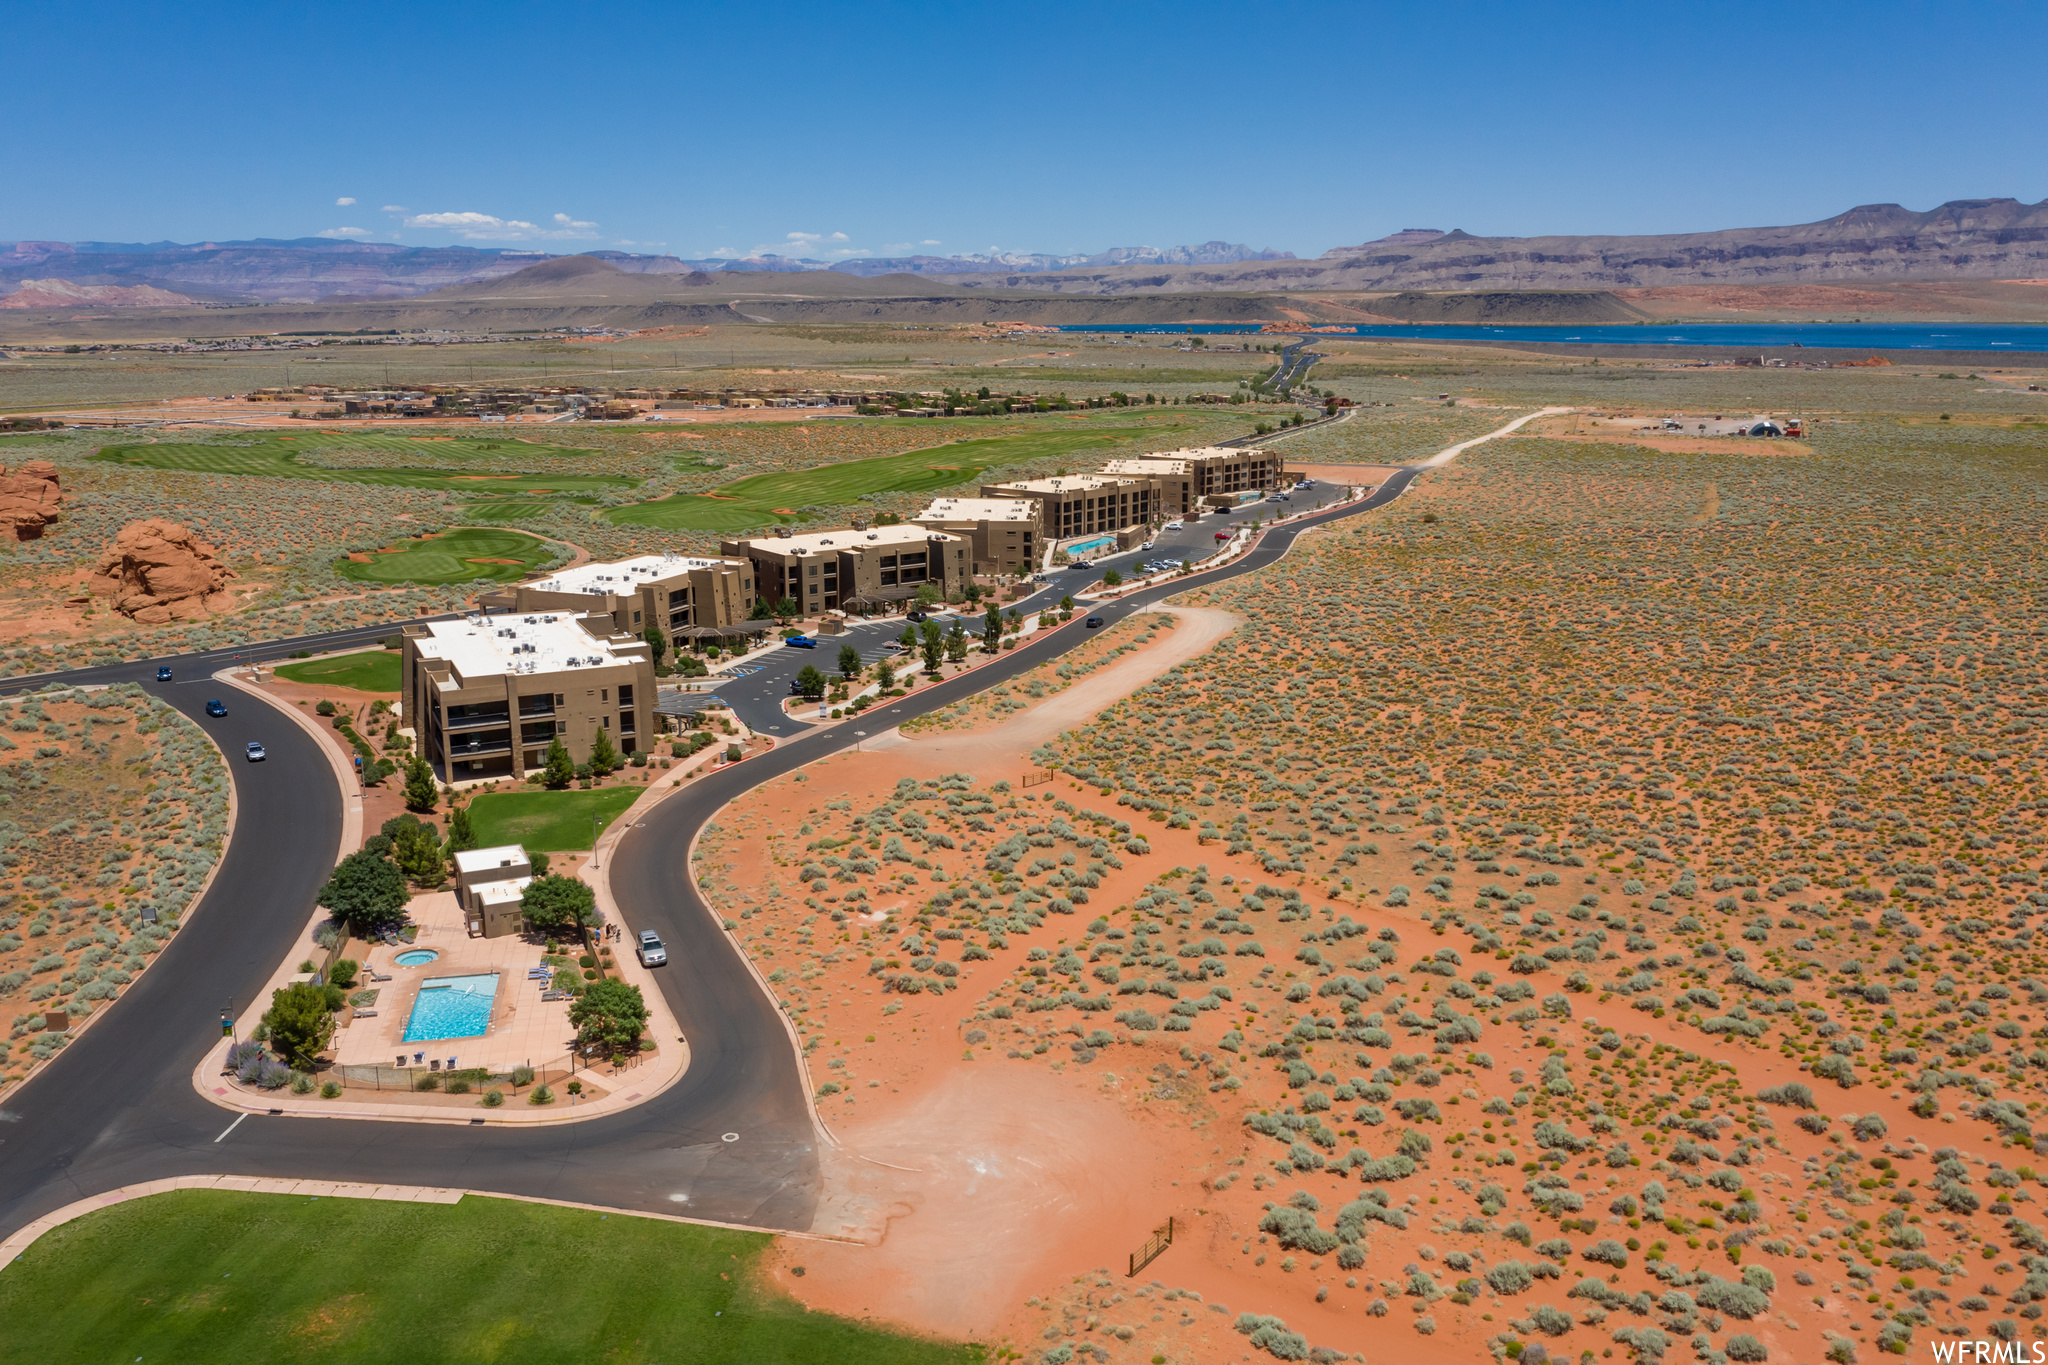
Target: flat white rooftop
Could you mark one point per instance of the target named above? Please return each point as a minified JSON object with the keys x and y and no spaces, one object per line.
{"x":621,"y":577}
{"x":832,"y":542}
{"x":1147,"y":466}
{"x":1066,"y":483}
{"x":1206,"y":453}
{"x":472,"y":860}
{"x":979,"y":509}
{"x":535,"y":642}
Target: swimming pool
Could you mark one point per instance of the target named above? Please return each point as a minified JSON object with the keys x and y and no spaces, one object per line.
{"x":1090,"y":546}
{"x":416,"y":957}
{"x":452,"y":1007}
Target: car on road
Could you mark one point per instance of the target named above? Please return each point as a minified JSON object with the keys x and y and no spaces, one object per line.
{"x":216,"y":707}
{"x":1146,"y":546}
{"x":164,"y":674}
{"x":892,"y":646}
{"x":1094,"y":621}
{"x":254,"y":752}
{"x":1223,"y":535}
{"x":652,"y":952}
{"x":1174,"y":525}
{"x":800,"y":642}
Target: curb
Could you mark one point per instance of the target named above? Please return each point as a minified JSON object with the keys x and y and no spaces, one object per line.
{"x":15,"y":1246}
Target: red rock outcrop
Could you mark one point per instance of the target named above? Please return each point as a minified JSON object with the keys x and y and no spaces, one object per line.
{"x":158,"y":571}
{"x":29,"y":498}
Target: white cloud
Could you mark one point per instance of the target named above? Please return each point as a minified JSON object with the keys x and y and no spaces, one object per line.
{"x":344,"y":232}
{"x":344,"y":201}
{"x":813,"y":238}
{"x":394,"y":208}
{"x":932,"y":241}
{"x":485,"y":227}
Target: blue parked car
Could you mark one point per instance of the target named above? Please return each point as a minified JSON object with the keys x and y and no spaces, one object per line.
{"x":216,"y":708}
{"x":801,"y":642}
{"x":163,"y":674}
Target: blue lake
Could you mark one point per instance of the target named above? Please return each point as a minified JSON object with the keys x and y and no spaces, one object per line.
{"x":1847,"y":336}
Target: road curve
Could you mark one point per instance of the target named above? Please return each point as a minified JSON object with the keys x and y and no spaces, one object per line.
{"x":732,"y":1141}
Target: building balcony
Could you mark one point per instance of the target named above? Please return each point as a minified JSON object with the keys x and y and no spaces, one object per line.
{"x":482,"y":746}
{"x":462,"y":718}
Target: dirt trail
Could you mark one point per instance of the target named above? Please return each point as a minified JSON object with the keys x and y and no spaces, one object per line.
{"x":1014,"y":739}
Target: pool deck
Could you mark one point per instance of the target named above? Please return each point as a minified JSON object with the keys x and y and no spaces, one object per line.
{"x":522,"y":1029}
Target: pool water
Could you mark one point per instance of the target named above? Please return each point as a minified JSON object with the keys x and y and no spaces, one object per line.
{"x":416,"y":957}
{"x":452,"y":1007}
{"x":1083,"y":547}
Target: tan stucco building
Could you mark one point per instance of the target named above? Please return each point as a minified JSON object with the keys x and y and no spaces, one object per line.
{"x":1188,"y":478}
{"x":669,"y":591}
{"x":1083,"y":504}
{"x":488,"y":694}
{"x":831,"y":570}
{"x":1004,"y":532}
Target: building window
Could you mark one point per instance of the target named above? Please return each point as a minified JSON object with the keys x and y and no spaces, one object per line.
{"x":625,"y":694}
{"x":561,"y":727}
{"x":604,"y":694}
{"x":605,"y":721}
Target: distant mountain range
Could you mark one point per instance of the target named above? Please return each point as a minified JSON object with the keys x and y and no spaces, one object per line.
{"x":1965,"y":239}
{"x":307,"y":269}
{"x":1976,"y":239}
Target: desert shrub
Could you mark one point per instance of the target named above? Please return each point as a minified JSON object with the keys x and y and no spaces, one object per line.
{"x":1791,"y":1093}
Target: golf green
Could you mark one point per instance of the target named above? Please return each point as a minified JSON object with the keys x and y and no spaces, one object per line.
{"x":548,"y":822}
{"x":459,"y":556}
{"x":762,"y":499}
{"x":372,"y":670}
{"x":214,"y":1275}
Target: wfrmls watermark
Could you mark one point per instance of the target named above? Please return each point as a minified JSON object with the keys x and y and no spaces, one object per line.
{"x":1990,"y":1352}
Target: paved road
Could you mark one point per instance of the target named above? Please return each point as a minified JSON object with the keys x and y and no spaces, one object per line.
{"x":732,"y":1141}
{"x":757,"y":697}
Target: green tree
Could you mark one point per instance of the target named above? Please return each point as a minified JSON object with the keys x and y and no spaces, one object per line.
{"x":956,"y":642}
{"x":849,"y":662}
{"x":885,"y":674}
{"x":603,"y":757}
{"x":992,"y":629}
{"x":461,"y":833}
{"x":908,"y":639}
{"x":762,"y":611}
{"x":1110,"y":577}
{"x":367,"y":891}
{"x":559,"y":770}
{"x":1067,"y":602}
{"x":657,"y":644}
{"x":934,"y":647}
{"x":558,"y":903}
{"x":928,"y":595}
{"x":610,"y":1014}
{"x":810,"y":683}
{"x":417,"y":851}
{"x":787,"y":609}
{"x":300,"y":1022}
{"x":422,"y":793}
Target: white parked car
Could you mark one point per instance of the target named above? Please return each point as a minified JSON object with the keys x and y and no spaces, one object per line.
{"x":652,"y":953}
{"x":1174,"y":525}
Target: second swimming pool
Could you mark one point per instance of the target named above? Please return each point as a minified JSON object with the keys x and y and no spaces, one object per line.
{"x":452,"y":1007}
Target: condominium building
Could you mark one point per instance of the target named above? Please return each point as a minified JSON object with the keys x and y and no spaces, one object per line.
{"x":1003,"y":532}
{"x":829,"y":570}
{"x":1195,"y":475}
{"x":487,"y":695}
{"x":1085,"y":504}
{"x":668,"y":591}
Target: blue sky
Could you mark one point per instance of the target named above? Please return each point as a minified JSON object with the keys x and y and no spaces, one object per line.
{"x":836,"y":131}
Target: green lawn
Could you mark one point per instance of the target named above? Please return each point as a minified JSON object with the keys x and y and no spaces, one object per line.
{"x":750,"y":503}
{"x":548,"y":822}
{"x":373,"y":670}
{"x":458,"y":556}
{"x":284,"y":457}
{"x":208,"y":1275}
